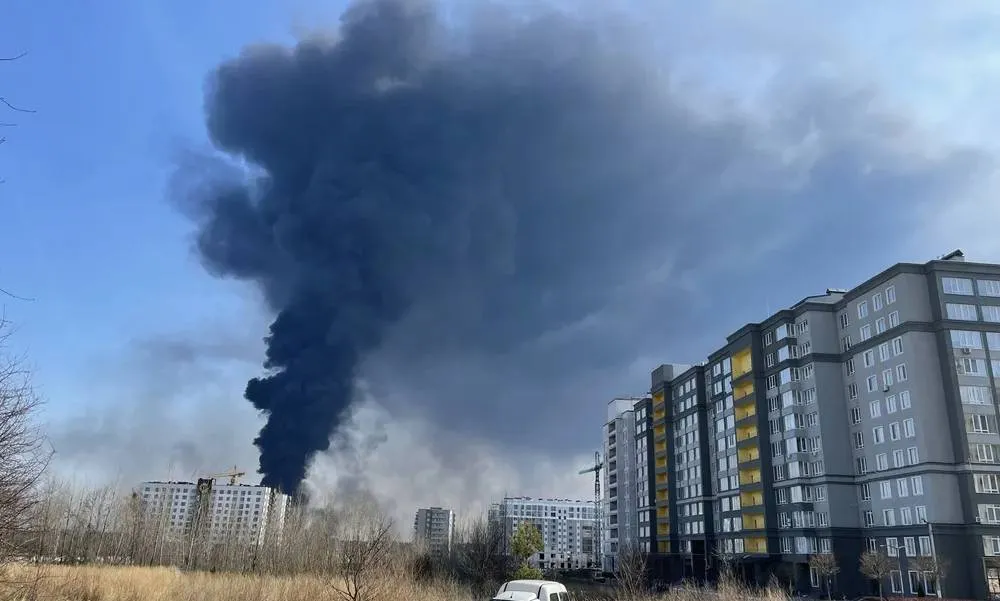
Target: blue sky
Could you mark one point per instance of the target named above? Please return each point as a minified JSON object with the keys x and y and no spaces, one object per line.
{"x":117,"y":90}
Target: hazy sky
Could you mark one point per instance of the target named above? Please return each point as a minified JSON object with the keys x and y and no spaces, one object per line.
{"x":874,"y":127}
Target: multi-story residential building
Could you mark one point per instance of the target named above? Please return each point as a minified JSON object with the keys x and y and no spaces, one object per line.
{"x":682,"y":470}
{"x":567,"y":529}
{"x":434,"y":530}
{"x":215,"y":513}
{"x":862,"y":419}
{"x":645,"y":476}
{"x":620,"y":508}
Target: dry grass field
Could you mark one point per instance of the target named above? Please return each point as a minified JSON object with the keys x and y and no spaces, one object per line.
{"x":91,"y":583}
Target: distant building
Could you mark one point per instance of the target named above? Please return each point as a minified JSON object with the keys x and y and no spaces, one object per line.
{"x":216,"y":513}
{"x":434,"y":529}
{"x":567,"y":529}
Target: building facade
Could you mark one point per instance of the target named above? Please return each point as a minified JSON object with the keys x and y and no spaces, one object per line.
{"x":218,"y":514}
{"x":567,"y":529}
{"x":862,"y":419}
{"x":645,"y":476}
{"x":620,"y":502}
{"x":434,"y":530}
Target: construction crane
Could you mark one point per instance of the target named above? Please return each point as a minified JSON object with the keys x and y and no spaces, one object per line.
{"x":596,"y":468}
{"x":234,"y":476}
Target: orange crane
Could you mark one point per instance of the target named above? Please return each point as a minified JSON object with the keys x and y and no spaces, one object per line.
{"x":234,"y":476}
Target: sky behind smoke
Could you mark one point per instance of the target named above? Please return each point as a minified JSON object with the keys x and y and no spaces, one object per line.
{"x":730,"y":161}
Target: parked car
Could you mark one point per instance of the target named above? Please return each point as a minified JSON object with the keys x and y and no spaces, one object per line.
{"x":532,"y":590}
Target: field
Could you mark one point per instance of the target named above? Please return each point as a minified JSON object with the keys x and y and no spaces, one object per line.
{"x":65,"y":583}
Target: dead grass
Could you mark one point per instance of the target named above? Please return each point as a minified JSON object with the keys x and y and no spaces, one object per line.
{"x":63,"y":583}
{"x":93,"y":583}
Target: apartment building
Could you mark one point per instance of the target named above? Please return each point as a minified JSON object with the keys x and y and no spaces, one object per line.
{"x":684,"y":524}
{"x":645,"y":480}
{"x":215,"y":513}
{"x":567,"y":528}
{"x":434,"y":530}
{"x":620,"y":502}
{"x":853,"y":420}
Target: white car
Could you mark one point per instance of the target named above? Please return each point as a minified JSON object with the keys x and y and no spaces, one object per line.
{"x":532,"y":590}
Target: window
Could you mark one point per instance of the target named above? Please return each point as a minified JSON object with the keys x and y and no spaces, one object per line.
{"x":894,"y":431}
{"x":883,"y":351}
{"x":850,"y":366}
{"x":988,"y":484}
{"x":966,"y":339}
{"x":966,"y":366}
{"x":897,"y":345}
{"x":906,"y":516}
{"x":869,"y":358}
{"x":875,"y":408}
{"x":855,"y":415}
{"x":901,"y":372}
{"x":898,"y":458}
{"x":863,"y":308}
{"x":984,"y":453}
{"x":881,"y":462}
{"x":885,"y":488}
{"x":921,"y":512}
{"x":979,"y":424}
{"x":845,"y":343}
{"x":861,"y":465}
{"x":910,"y":546}
{"x":866,"y":332}
{"x":878,"y":435}
{"x":866,"y":492}
{"x":859,"y":440}
{"x":908,"y":429}
{"x":991,"y":313}
{"x":961,"y":286}
{"x":993,"y":341}
{"x":872,"y":382}
{"x":904,"y":399}
{"x":894,"y":319}
{"x":886,"y":377}
{"x":975,"y":395}
{"x":917,"y":485}
{"x":961,"y":311}
{"x":880,"y":325}
{"x":889,"y":517}
{"x":989,"y":288}
{"x":912,"y":456}
{"x":890,"y":295}
{"x":891,"y":406}
{"x":869,"y":519}
{"x":845,"y":320}
{"x":877,"y":302}
{"x":802,"y":327}
{"x":902,"y":487}
{"x":852,"y":391}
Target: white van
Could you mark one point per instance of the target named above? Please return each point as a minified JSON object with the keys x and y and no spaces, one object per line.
{"x":532,"y":590}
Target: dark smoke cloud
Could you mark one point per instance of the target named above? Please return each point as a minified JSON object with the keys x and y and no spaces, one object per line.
{"x":494,"y":193}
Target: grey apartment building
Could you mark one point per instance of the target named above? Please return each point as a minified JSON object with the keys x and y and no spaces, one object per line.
{"x":862,"y":419}
{"x":434,"y":528}
{"x":621,"y":510}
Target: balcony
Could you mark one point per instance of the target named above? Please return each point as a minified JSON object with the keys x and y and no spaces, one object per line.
{"x":748,"y":455}
{"x":743,"y":393}
{"x":660,"y":433}
{"x":746,"y":434}
{"x":662,"y":495}
{"x":752,"y":499}
{"x":659,"y":415}
{"x":750,"y":479}
{"x":756,"y":545}
{"x":663,"y":513}
{"x":742,"y":363}
{"x":658,"y":398}
{"x":746,"y":414}
{"x":754,"y":521}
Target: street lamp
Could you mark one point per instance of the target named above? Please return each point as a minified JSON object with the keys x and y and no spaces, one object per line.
{"x":937,"y":573}
{"x":899,"y":564}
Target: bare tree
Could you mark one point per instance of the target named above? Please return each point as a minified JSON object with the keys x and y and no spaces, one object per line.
{"x":479,"y":557}
{"x":365,"y":543}
{"x":925,"y":564}
{"x":23,"y":453}
{"x":876,"y":566}
{"x":632,"y":573}
{"x":826,"y":568}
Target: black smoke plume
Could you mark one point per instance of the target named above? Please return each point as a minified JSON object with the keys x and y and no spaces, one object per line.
{"x":493,"y":179}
